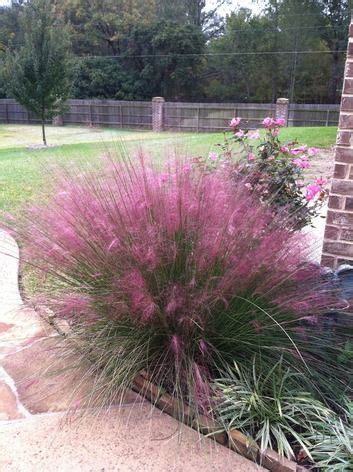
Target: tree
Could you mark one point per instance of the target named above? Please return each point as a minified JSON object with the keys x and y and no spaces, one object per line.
{"x":193,"y":12}
{"x":165,"y":58}
{"x":37,"y":72}
{"x":335,"y":21}
{"x":97,"y":26}
{"x":162,"y":58}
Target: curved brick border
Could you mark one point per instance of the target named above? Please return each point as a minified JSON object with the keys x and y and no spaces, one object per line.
{"x":235,"y":440}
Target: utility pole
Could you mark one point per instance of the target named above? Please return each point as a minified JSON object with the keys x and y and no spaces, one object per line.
{"x":294,"y":70}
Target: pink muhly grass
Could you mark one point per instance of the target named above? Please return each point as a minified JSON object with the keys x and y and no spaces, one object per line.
{"x":187,"y":269}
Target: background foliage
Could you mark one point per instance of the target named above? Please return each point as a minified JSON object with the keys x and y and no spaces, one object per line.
{"x":184,"y":50}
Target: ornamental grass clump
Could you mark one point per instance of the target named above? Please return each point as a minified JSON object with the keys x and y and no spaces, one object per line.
{"x":176,"y":273}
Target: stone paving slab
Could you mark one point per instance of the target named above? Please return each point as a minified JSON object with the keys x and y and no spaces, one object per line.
{"x":125,"y":440}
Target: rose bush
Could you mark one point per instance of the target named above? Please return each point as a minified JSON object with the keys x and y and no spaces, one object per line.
{"x":275,"y":170}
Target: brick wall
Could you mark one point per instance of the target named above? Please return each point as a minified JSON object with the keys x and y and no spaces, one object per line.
{"x":338,"y":241}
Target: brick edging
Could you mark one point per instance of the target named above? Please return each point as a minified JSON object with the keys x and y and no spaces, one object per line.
{"x":234,"y":440}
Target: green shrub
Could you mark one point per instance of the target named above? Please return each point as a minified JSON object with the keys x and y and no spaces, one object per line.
{"x":271,"y":407}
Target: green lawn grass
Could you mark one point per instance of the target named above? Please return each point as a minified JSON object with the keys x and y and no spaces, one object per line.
{"x":23,"y":171}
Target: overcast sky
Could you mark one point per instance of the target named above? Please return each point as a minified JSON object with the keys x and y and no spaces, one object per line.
{"x":233,"y":5}
{"x":227,"y":8}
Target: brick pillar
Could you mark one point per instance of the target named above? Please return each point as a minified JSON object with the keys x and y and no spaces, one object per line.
{"x":282,"y":105}
{"x":338,"y":240}
{"x":157,"y":113}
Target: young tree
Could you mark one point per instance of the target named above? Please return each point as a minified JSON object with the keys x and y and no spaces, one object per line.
{"x":37,"y":72}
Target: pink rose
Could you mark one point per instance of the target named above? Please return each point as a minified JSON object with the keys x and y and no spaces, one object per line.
{"x":251,"y":156}
{"x":248,"y":185}
{"x":234,"y":122}
{"x":298,"y":150}
{"x":284,"y":149}
{"x":311,"y":191}
{"x":302,"y":163}
{"x":268,"y":122}
{"x":271,"y":158}
{"x":280,"y":122}
{"x":213,"y":156}
{"x":321,"y":181}
{"x":239,"y":134}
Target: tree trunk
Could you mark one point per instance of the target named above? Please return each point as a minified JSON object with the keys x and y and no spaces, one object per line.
{"x":43,"y":131}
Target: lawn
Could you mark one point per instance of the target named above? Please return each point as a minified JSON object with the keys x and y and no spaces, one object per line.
{"x":23,"y":169}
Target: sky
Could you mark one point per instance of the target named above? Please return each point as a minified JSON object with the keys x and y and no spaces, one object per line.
{"x":233,"y":5}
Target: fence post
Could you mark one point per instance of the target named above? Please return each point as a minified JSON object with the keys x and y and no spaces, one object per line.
{"x":121,"y":116}
{"x":327,"y":117}
{"x":282,"y":106}
{"x":338,"y":239}
{"x":157,"y":113}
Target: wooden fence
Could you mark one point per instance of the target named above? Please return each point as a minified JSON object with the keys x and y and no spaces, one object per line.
{"x":121,"y":114}
{"x":176,"y":116}
{"x":213,"y":116}
{"x":313,"y":115}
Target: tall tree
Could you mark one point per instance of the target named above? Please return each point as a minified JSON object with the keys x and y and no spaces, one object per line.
{"x":193,"y":12}
{"x":38,"y":72}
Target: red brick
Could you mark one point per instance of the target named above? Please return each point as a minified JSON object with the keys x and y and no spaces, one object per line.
{"x":335,"y":202}
{"x":350,"y":47}
{"x":346,"y":121}
{"x":349,"y":204}
{"x":331,"y":232}
{"x":347,"y":260}
{"x":344,"y":138}
{"x":342,"y":187}
{"x":339,"y":248}
{"x":347,"y":104}
{"x":328,"y":261}
{"x":344,"y":155}
{"x":349,"y":70}
{"x":276,"y":463}
{"x":341,"y":171}
{"x":347,"y":235}
{"x":348,"y":83}
{"x":338,"y":218}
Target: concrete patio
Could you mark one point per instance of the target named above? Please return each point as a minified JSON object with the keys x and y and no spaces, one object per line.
{"x":35,"y":432}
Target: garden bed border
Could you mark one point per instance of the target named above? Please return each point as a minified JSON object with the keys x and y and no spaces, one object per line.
{"x":234,"y":440}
